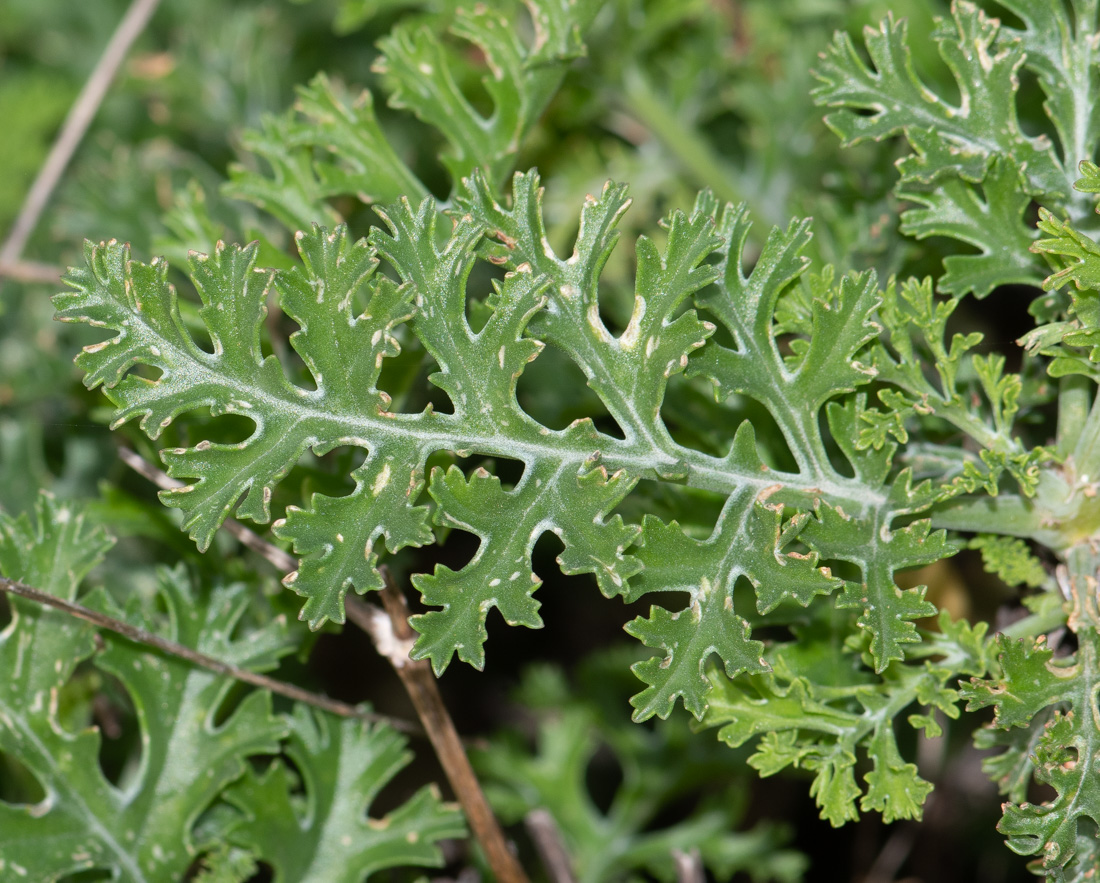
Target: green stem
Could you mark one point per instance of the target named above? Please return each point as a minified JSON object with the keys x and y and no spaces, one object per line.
{"x":1035,"y":625}
{"x":683,"y":141}
{"x":1074,"y":399}
{"x":1006,"y":514}
{"x":1086,"y":453}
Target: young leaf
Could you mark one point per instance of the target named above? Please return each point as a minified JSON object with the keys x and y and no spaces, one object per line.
{"x":818,"y":726}
{"x":916,"y":323}
{"x":1076,"y":259}
{"x":1010,"y":559}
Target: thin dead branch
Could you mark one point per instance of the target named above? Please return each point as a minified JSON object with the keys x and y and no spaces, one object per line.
{"x":394,"y":638}
{"x":76,"y":124}
{"x":547,"y":839}
{"x":689,"y":866}
{"x":30,"y":271}
{"x":283,"y":560}
{"x":141,"y":636}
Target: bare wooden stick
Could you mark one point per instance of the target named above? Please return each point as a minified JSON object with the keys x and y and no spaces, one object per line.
{"x":689,"y":866}
{"x":394,"y":638}
{"x":894,"y":852}
{"x":218,"y":666}
{"x":76,"y":124}
{"x":30,"y":271}
{"x":547,"y":839}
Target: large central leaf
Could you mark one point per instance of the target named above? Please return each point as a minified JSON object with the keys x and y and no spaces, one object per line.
{"x":350,"y":317}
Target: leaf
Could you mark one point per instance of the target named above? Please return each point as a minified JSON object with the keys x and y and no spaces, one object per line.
{"x":1013,"y":768}
{"x":802,"y":721}
{"x":916,"y":322}
{"x":572,"y":479}
{"x":52,"y":552}
{"x":141,"y":830}
{"x":1076,"y":258}
{"x":746,"y":543}
{"x":893,"y":786}
{"x":334,"y":561}
{"x":886,"y":610}
{"x":1033,"y":685}
{"x":342,"y":352}
{"x":348,"y":149}
{"x":290,"y":190}
{"x":1059,"y":52}
{"x":959,"y":138}
{"x":1079,"y":254}
{"x":500,"y":574}
{"x":995,"y":225}
{"x":331,"y":144}
{"x":827,"y":366}
{"x":325,"y":837}
{"x":977,"y":142}
{"x":1010,"y":559}
{"x":629,"y":373}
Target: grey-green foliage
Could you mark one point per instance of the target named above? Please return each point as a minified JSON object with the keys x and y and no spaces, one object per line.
{"x":776,"y":528}
{"x":142,"y":830}
{"x":332,"y":143}
{"x":759,"y":450}
{"x":146,"y":827}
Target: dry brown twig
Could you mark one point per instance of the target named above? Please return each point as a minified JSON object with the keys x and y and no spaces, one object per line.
{"x":141,"y":636}
{"x":547,"y":839}
{"x":30,"y":271}
{"x":72,"y":130}
{"x":393,"y":636}
{"x":689,"y":866}
{"x":283,"y":560}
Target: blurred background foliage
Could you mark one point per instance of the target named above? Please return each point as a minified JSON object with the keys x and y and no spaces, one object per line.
{"x":671,"y":96}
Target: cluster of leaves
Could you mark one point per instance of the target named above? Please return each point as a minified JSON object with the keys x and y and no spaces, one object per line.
{"x":156,"y":820}
{"x":974,"y":170}
{"x":757,"y":450}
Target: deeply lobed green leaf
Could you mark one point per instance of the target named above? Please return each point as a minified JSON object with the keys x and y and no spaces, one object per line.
{"x":1061,"y":752}
{"x":327,"y":837}
{"x":142,"y":829}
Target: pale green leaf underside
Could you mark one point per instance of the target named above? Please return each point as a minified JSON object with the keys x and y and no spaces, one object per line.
{"x":348,"y":313}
